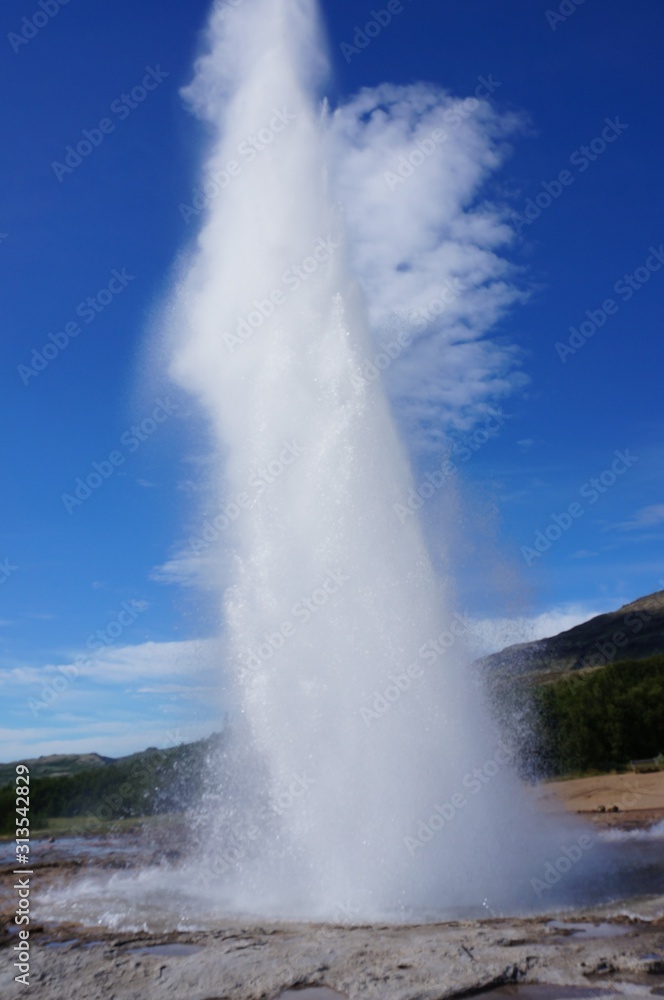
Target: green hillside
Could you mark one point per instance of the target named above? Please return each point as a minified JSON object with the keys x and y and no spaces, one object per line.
{"x":55,"y":765}
{"x":602,"y":719}
{"x":633,"y":632}
{"x":590,"y":698}
{"x":144,"y":784}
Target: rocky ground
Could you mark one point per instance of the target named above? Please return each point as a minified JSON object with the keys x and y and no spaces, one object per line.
{"x":248,"y":960}
{"x":256,"y":961}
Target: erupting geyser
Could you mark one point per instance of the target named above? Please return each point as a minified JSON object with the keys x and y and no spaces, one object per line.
{"x":368,"y":778}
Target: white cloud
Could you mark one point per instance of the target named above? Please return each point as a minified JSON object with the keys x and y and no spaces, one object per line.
{"x":490,"y":635}
{"x":111,"y":740}
{"x":188,"y":659}
{"x":426,"y":236}
{"x":190,"y":568}
{"x":119,"y":700}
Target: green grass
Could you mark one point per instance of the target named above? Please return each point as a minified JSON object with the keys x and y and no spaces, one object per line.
{"x":63,"y":826}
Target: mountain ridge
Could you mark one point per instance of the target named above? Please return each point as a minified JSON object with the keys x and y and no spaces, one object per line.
{"x":60,"y":765}
{"x":634,"y":631}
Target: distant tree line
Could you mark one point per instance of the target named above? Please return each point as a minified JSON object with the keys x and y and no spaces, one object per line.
{"x":601,"y":719}
{"x":150,"y":783}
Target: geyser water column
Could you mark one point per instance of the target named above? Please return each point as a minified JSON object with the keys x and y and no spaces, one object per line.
{"x":344,"y":654}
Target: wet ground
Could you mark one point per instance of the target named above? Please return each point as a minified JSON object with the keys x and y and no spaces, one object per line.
{"x":498,"y":958}
{"x":612,"y":951}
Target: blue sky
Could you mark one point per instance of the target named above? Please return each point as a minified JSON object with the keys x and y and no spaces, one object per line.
{"x":86,"y":250}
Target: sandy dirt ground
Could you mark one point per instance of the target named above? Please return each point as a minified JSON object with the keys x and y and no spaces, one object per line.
{"x":617,"y":799}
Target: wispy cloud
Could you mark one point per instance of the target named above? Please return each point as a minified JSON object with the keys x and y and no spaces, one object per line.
{"x":127,"y":667}
{"x":189,"y":568}
{"x":114,"y":698}
{"x":489,"y":635}
{"x":426,"y":248}
{"x":646,"y":517}
{"x":113,"y":740}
